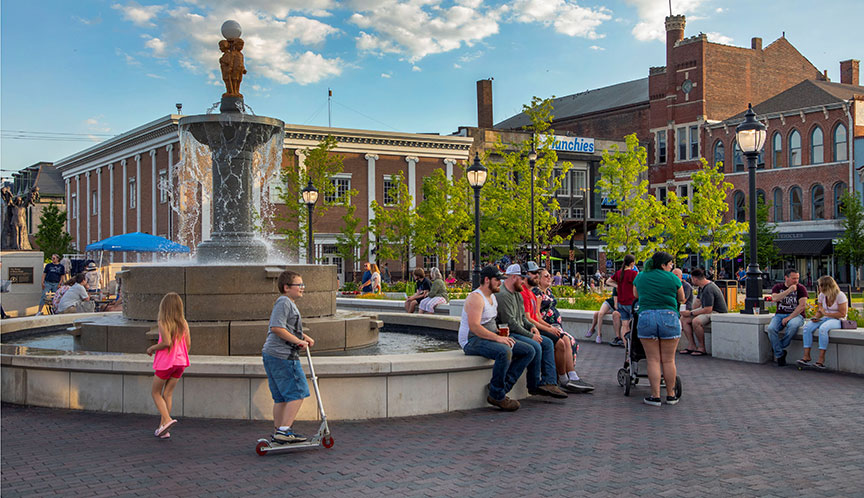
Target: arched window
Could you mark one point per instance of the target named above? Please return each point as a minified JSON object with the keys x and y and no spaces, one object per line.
{"x":777,"y":150}
{"x":760,"y":196}
{"x":817,"y":147}
{"x":740,"y":210}
{"x":737,"y":157}
{"x":794,"y":148}
{"x":778,"y":205}
{"x":840,"y":144}
{"x":839,"y":190}
{"x":817,"y":202}
{"x":796,"y":210}
{"x":719,"y":153}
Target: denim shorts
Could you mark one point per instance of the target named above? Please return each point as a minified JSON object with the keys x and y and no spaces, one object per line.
{"x":658,"y":324}
{"x":286,"y":378}
{"x":626,"y":311}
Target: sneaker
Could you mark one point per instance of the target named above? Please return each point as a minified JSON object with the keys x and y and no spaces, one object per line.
{"x":617,"y":342}
{"x":550,"y":390}
{"x":781,"y":361}
{"x":287,"y":437}
{"x":652,"y":401}
{"x":577,"y":386}
{"x":506,"y":404}
{"x":598,"y":340}
{"x":672,"y":400}
{"x":589,"y":333}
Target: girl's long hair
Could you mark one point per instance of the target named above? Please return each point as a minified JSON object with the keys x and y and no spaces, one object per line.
{"x":171,"y":320}
{"x":374,"y":268}
{"x":829,"y":288}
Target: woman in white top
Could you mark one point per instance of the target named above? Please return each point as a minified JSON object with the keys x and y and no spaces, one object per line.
{"x":376,"y":279}
{"x":833,"y":305}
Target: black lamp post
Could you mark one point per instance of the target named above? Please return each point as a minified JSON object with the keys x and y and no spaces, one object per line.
{"x":310,"y":197}
{"x":750,"y":136}
{"x":532,"y":163}
{"x":476,"y":178}
{"x":585,"y":236}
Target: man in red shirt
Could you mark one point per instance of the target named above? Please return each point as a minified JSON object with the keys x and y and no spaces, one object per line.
{"x":623,"y":281}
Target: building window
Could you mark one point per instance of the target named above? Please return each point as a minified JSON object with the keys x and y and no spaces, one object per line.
{"x":817,"y":148}
{"x":776,"y":150}
{"x":684,"y":193}
{"x":778,"y":205}
{"x":719,"y":154}
{"x":694,"y":142}
{"x":74,"y":205}
{"x":339,"y":195}
{"x":817,"y":202}
{"x":163,"y":186}
{"x":796,"y":209}
{"x":578,"y":182}
{"x":681,"y":138}
{"x":564,"y":189}
{"x":133,"y":199}
{"x":839,"y":190}
{"x":391,"y":194}
{"x":94,"y":202}
{"x":430,"y":262}
{"x":760,"y":196}
{"x":737,"y":157}
{"x":661,"y":146}
{"x":794,"y":148}
{"x":661,"y":194}
{"x":840,"y":144}
{"x":740,"y":210}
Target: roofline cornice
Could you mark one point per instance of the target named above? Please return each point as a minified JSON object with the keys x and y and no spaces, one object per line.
{"x":782,"y":114}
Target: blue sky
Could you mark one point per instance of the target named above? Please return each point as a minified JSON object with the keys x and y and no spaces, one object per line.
{"x":90,"y":69}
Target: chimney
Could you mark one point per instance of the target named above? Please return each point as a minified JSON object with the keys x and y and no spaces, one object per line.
{"x":484,"y":103}
{"x":849,"y":72}
{"x":674,"y":34}
{"x":756,"y":43}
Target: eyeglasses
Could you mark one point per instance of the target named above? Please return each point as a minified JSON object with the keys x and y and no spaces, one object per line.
{"x":302,"y":286}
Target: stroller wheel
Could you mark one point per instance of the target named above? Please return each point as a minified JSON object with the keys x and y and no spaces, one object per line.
{"x":635,"y":381}
{"x":623,"y":376}
{"x":628,"y":386}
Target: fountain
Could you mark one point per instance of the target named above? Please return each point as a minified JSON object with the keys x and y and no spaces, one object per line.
{"x":230,"y":288}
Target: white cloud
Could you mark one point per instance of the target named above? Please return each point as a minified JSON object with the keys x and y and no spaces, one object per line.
{"x":720,"y":10}
{"x":96,"y":125}
{"x":566,"y":16}
{"x":155,"y":76}
{"x":139,"y":14}
{"x":652,"y":15}
{"x":416,"y":69}
{"x":719,"y":38}
{"x":157,"y":46}
{"x":132,"y":61}
{"x":457,"y":66}
{"x":386,"y":75}
{"x":417,"y":28}
{"x":88,"y":22}
{"x":597,"y":48}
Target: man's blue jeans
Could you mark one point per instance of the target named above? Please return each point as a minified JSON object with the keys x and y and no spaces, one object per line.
{"x":541,"y":371}
{"x":49,"y":287}
{"x":776,"y":326}
{"x":824,"y":325}
{"x":509,"y":362}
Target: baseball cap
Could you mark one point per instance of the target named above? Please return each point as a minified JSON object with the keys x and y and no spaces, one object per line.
{"x":531,"y":267}
{"x":491,"y":272}
{"x":514,"y":269}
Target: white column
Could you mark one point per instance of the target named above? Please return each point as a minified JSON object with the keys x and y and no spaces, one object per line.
{"x":449,"y":163}
{"x":78,"y":213}
{"x":138,"y":192}
{"x":99,"y":203}
{"x":68,"y":207}
{"x":412,"y":191}
{"x":153,"y":191}
{"x":170,"y":149}
{"x":124,"y":182}
{"x":370,"y":192}
{"x":111,"y":200}
{"x":89,"y":208}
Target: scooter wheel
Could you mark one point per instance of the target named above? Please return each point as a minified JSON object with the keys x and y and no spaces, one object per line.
{"x":327,"y":441}
{"x":260,"y":448}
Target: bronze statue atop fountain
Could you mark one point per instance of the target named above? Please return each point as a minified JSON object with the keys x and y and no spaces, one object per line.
{"x":232,"y":65}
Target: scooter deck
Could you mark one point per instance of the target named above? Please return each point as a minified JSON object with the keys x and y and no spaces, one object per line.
{"x":265,"y":446}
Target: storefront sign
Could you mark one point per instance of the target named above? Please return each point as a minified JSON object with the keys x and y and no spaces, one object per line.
{"x":21,"y":274}
{"x":570,"y":144}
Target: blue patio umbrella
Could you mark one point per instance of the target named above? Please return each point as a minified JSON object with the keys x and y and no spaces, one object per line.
{"x":137,"y":242}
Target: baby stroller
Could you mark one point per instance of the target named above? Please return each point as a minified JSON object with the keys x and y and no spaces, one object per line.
{"x":628,"y":376}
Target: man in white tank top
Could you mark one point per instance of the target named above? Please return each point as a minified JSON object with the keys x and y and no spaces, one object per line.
{"x":478,"y":335}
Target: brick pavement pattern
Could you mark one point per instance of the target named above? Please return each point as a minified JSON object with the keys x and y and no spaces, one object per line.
{"x":740,"y":429}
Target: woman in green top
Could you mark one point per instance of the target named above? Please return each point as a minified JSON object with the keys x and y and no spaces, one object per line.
{"x":437,"y":294}
{"x":659,"y":292}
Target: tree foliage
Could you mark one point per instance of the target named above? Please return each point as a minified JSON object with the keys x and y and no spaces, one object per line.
{"x":349,"y":240}
{"x":394,"y":227}
{"x":767,"y":253}
{"x":635,"y":225}
{"x":444,"y":222}
{"x":678,"y":237}
{"x":850,"y":247}
{"x":51,"y":235}
{"x":720,"y":239}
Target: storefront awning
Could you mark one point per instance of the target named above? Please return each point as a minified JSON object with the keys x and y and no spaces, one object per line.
{"x":804,"y":247}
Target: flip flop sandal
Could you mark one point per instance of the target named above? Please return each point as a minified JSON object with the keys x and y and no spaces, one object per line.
{"x":804,"y":363}
{"x":686,"y":351}
{"x":698,"y":353}
{"x":820,"y":366}
{"x":164,"y":428}
{"x":166,"y":435}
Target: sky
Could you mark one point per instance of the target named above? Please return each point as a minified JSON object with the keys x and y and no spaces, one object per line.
{"x":74,"y":73}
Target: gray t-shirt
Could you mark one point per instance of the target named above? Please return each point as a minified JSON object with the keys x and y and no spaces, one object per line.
{"x":711,"y":295}
{"x":72,"y":297}
{"x":285,"y":315}
{"x":688,"y":294}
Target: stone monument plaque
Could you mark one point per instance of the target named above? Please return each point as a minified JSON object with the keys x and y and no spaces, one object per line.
{"x":21,"y":274}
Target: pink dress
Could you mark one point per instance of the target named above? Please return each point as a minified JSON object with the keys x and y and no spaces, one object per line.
{"x":176,"y":356}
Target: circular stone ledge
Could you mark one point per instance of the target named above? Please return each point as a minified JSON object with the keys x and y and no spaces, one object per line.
{"x":352,"y":388}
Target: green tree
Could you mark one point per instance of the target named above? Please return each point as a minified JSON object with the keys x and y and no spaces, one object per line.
{"x":678,"y":237}
{"x":850,"y":247}
{"x":394,"y":226}
{"x":506,"y":197}
{"x":443,"y":220}
{"x":719,"y":238}
{"x":349,"y":239}
{"x":767,"y":253}
{"x":51,"y":235}
{"x":636,"y":225}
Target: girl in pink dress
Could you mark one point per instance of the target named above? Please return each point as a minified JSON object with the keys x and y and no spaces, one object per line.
{"x":171,"y":359}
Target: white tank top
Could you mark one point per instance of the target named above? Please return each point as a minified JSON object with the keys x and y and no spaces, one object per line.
{"x":490,"y":312}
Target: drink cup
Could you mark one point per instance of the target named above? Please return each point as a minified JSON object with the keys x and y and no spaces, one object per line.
{"x":504,"y":330}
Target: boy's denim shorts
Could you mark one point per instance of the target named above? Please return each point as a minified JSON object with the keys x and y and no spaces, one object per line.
{"x":658,"y":324}
{"x":626,"y":311}
{"x":286,"y":378}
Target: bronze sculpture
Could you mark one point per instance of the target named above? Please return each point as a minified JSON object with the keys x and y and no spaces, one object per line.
{"x":15,"y":234}
{"x":231,"y":64}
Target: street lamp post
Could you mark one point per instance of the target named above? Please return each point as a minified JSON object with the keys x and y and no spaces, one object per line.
{"x":750,"y":136}
{"x":532,"y":163}
{"x":310,"y":197}
{"x":476,"y":178}
{"x":585,"y":237}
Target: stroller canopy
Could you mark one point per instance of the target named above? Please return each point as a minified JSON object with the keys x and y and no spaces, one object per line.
{"x":137,"y":242}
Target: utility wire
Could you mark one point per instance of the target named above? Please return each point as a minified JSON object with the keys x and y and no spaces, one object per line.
{"x":366,"y":116}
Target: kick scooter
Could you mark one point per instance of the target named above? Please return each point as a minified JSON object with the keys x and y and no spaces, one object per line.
{"x":321,"y":438}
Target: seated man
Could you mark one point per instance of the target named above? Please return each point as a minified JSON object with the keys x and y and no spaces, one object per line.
{"x":688,"y":289}
{"x":511,"y":311}
{"x":478,"y":335}
{"x":423,"y":288}
{"x":693,"y":322}
{"x":791,"y":299}
{"x":76,"y":299}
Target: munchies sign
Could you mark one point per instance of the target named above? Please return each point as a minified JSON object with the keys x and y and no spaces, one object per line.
{"x":570,"y":144}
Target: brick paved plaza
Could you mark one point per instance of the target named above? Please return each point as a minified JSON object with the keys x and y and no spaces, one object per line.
{"x":740,"y":429}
